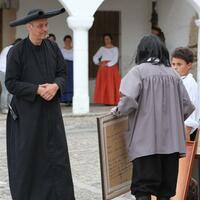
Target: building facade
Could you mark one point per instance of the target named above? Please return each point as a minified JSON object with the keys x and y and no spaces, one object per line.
{"x":127,"y":20}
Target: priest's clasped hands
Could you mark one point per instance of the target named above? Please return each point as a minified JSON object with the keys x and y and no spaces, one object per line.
{"x":47,"y":91}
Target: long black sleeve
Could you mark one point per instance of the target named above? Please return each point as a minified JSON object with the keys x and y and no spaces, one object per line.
{"x":13,"y":81}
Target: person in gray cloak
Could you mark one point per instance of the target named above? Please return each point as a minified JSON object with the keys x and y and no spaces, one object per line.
{"x":38,"y":160}
{"x":157,"y":103}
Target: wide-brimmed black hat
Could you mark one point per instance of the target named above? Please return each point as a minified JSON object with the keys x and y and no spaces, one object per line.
{"x":36,"y":14}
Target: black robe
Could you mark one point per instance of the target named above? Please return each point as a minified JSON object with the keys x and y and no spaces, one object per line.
{"x":38,"y":161}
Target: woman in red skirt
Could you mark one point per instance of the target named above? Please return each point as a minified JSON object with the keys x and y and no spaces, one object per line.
{"x":108,"y":76}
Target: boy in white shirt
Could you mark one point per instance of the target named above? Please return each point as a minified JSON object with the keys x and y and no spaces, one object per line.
{"x":181,"y":60}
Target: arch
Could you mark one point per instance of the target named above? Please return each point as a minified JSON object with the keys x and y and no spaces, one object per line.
{"x":195,"y":4}
{"x":73,"y":7}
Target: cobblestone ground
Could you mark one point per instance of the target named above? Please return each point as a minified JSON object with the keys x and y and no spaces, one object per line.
{"x":84,"y":155}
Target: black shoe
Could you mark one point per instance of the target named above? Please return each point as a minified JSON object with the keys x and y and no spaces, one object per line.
{"x":143,"y":197}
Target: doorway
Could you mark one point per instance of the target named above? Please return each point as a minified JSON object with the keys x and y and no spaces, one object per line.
{"x":104,"y":22}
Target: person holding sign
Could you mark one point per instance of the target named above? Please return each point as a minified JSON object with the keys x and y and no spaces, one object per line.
{"x":154,"y":97}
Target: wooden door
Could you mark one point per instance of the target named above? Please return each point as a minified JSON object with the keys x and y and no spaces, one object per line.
{"x":9,"y":33}
{"x":104,"y":22}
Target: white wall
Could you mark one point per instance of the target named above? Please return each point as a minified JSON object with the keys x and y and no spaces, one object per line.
{"x":135,"y":22}
{"x":174,"y":18}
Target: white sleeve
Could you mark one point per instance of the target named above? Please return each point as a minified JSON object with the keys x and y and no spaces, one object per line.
{"x":3,"y":57}
{"x":97,"y":56}
{"x":115,"y":58}
{"x":193,"y":119}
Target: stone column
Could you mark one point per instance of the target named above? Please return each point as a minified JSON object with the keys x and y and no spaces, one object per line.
{"x":80,"y":27}
{"x":198,"y":57}
{"x":80,"y":20}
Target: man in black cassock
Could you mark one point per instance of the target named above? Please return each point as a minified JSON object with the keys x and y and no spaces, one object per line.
{"x":38,"y":161}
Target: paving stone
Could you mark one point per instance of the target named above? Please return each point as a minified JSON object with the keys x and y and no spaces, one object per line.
{"x":81,"y":132}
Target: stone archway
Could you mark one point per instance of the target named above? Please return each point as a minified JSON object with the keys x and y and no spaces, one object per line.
{"x":80,"y":21}
{"x":196,"y":6}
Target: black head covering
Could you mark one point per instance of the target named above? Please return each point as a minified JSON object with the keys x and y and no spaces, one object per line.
{"x":36,"y":14}
{"x":152,"y":50}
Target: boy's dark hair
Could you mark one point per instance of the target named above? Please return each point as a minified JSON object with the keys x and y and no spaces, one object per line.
{"x":52,"y":35}
{"x":67,"y":37}
{"x":152,"y":50}
{"x":183,"y":53}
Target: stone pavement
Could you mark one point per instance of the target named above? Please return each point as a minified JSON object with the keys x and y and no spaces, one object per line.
{"x":84,"y":154}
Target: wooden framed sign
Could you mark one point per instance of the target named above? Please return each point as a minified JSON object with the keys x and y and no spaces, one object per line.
{"x":116,"y":169}
{"x":185,"y":171}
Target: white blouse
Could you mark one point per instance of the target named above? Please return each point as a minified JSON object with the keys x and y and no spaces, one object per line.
{"x":3,"y":56}
{"x":192,"y":89}
{"x":67,"y":54}
{"x":107,"y":54}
